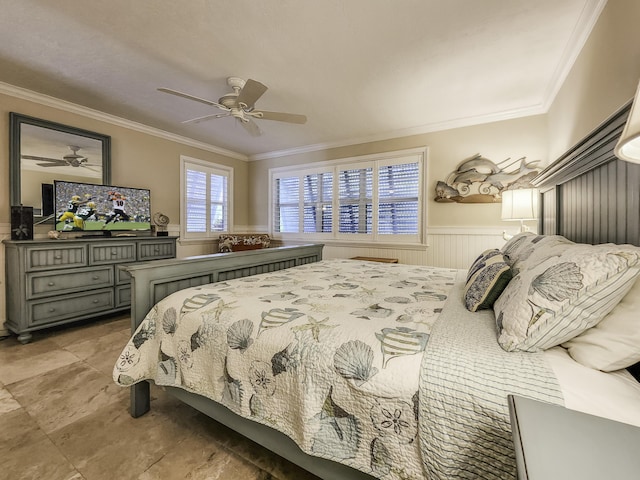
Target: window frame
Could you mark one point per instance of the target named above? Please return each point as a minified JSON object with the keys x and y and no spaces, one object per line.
{"x":210,"y":168}
{"x":418,"y":155}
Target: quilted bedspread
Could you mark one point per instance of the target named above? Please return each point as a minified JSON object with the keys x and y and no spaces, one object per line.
{"x":335,"y":354}
{"x":328,"y":353}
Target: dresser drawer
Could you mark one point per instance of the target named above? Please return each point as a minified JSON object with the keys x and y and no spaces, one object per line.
{"x":105,"y":253}
{"x":68,"y":281}
{"x":122,"y":277}
{"x":87,"y":304}
{"x":155,"y":250}
{"x":123,"y":296}
{"x":60,"y":256}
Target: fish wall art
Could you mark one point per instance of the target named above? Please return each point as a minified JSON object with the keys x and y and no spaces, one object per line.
{"x":479,"y":180}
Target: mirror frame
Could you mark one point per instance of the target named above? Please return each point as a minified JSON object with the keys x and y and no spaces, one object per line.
{"x":16,"y":120}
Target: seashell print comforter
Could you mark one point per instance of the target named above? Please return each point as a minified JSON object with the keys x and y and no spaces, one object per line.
{"x":328,"y":353}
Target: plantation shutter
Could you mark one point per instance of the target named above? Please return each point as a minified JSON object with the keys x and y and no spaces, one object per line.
{"x":196,"y":201}
{"x":398,"y":195}
{"x":218,"y":203}
{"x":205,"y":201}
{"x":318,"y":193}
{"x":356,"y":202}
{"x":287,"y":209}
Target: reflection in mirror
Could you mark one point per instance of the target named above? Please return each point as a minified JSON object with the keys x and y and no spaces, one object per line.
{"x":43,"y":151}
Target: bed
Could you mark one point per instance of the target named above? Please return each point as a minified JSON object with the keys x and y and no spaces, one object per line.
{"x":360,"y":370}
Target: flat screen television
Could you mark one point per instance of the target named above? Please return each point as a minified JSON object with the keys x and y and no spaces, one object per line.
{"x":101,"y":208}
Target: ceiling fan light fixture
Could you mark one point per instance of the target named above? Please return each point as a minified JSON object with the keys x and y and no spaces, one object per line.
{"x":240,"y":104}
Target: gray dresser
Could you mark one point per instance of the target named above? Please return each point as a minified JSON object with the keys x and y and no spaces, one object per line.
{"x":54,"y":282}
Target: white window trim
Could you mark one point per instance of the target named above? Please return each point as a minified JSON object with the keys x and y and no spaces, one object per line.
{"x":214,"y":168}
{"x":379,"y":240}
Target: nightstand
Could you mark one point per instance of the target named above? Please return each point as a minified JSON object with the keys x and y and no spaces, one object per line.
{"x":553,"y":442}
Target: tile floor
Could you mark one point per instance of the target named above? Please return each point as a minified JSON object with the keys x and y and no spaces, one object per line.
{"x":63,"y":418}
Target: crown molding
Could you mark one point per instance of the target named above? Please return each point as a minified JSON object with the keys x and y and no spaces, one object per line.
{"x":419,"y":130}
{"x":579,"y":36}
{"x":29,"y":95}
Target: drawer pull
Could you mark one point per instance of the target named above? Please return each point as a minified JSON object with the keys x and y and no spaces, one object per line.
{"x":51,"y":310}
{"x":57,"y":257}
{"x":95,"y":277}
{"x":95,"y":301}
{"x":51,"y":284}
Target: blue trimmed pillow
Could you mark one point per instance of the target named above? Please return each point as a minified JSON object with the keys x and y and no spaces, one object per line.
{"x":481,"y":261}
{"x":488,"y":276}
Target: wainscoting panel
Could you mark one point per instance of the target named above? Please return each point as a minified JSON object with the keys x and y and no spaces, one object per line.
{"x":458,"y":248}
{"x":417,"y":256}
{"x":449,"y":247}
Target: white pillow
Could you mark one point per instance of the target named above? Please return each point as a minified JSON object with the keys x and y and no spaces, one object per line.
{"x":561,"y":291}
{"x":614,"y":343}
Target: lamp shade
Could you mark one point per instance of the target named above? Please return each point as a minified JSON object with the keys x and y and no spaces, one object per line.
{"x":520,"y":204}
{"x":628,"y":146}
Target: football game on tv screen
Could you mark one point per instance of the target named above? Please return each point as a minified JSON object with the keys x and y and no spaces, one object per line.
{"x":88,"y":207}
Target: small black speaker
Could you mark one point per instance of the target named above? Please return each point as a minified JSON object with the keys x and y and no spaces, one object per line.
{"x":21,"y":223}
{"x":47,"y":200}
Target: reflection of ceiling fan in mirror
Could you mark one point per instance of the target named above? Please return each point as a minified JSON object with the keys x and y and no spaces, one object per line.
{"x":240,"y":104}
{"x":73,"y":159}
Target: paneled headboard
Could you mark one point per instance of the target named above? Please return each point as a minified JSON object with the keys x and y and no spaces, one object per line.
{"x":590,"y":196}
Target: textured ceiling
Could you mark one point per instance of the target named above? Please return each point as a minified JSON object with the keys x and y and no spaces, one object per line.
{"x":359,"y":70}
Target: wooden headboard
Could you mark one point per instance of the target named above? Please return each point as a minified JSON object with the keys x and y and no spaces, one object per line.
{"x":590,"y":196}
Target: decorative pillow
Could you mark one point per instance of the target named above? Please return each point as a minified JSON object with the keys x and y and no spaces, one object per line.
{"x":614,"y":343}
{"x":488,"y":277}
{"x":562,"y":292}
{"x":482,"y":259}
{"x":235,"y":242}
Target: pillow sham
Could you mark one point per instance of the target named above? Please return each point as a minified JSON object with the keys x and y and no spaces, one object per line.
{"x":486,"y":280}
{"x":563,"y":291}
{"x":614,"y":343}
{"x":521,"y":248}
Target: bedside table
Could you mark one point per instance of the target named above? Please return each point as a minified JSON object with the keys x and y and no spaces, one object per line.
{"x":553,"y":442}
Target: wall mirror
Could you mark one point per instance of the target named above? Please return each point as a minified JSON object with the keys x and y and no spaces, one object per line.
{"x":41,"y":152}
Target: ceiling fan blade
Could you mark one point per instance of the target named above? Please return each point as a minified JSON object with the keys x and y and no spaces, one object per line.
{"x":251,"y":92}
{"x":192,"y":97}
{"x":251,"y":127}
{"x":41,"y":159}
{"x":280,"y":117}
{"x":59,"y":163}
{"x":206,"y":117}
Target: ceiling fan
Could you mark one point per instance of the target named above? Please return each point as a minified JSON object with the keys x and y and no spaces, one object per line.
{"x":73,"y":159}
{"x":241,"y":105}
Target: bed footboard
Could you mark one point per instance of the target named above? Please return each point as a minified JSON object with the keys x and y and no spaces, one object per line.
{"x":153,"y":281}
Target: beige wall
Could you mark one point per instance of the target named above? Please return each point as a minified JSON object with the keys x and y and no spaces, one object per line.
{"x":603,"y":78}
{"x":137,"y":160}
{"x":446,"y":149}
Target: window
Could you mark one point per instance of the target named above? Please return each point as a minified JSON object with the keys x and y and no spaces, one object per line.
{"x":375,"y":198}
{"x":205,"y":198}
